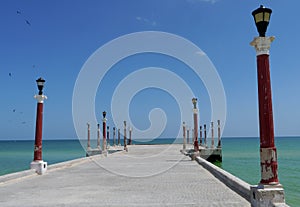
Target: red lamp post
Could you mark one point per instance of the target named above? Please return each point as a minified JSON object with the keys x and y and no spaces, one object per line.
{"x":269,"y":192}
{"x":38,"y":164}
{"x":268,"y":154}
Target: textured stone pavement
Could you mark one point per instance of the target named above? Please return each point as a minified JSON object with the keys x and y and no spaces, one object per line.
{"x":143,"y":176}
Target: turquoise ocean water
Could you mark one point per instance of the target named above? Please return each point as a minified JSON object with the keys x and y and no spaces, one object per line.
{"x":240,"y":157}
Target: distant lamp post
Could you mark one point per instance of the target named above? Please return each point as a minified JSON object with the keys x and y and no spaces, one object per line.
{"x":269,"y":192}
{"x":104,"y":131}
{"x":38,"y":164}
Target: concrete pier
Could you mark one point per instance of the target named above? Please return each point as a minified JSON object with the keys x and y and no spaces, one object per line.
{"x":134,"y":178}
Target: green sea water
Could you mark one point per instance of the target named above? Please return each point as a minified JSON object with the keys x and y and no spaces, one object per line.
{"x":240,"y":157}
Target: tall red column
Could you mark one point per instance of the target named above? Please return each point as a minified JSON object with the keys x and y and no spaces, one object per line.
{"x":196,"y":146}
{"x":268,"y":153}
{"x":38,"y":132}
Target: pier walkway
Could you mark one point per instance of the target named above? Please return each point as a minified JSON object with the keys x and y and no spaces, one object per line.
{"x":146,"y":175}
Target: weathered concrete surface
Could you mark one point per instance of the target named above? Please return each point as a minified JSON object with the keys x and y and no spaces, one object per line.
{"x":238,"y":185}
{"x":144,"y":176}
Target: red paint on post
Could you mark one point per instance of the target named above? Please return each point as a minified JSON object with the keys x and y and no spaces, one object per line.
{"x":38,"y":133}
{"x":267,"y":147}
{"x":265,"y":102}
{"x":196,"y":146}
{"x":104,"y":134}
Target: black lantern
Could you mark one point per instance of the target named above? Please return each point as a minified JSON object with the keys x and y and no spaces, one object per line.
{"x":194,"y":100}
{"x":262,"y":17}
{"x":104,"y":114}
{"x":40,"y":83}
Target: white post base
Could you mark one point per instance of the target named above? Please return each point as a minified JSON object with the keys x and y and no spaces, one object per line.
{"x":267,"y":196}
{"x":39,"y":166}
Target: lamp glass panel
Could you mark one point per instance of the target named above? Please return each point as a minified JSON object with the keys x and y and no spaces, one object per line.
{"x":40,"y":83}
{"x":267,"y":17}
{"x":259,"y":17}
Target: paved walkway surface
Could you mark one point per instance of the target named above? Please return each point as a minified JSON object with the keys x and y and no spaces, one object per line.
{"x":154,"y":175}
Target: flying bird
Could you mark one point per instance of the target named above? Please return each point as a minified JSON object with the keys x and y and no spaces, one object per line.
{"x":9,"y":74}
{"x":27,"y":22}
{"x":14,"y":110}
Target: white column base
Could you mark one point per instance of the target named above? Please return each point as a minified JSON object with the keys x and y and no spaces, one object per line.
{"x":267,"y":196}
{"x":39,"y":166}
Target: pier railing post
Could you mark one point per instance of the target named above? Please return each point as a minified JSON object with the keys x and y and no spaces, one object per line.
{"x":114,"y":136}
{"x":184,"y":136}
{"x":219,"y":134}
{"x":104,"y":131}
{"x":130,"y":133}
{"x":119,"y":137}
{"x":200,"y":135}
{"x":125,"y":141}
{"x":268,"y":192}
{"x":212,"y":135}
{"x":188,"y":135}
{"x":88,"y":137}
{"x":195,"y":110}
{"x":205,"y":135}
{"x":98,"y":136}
{"x":38,"y":164}
{"x":107,"y":144}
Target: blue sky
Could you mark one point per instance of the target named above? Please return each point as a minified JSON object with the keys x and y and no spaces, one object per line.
{"x":60,"y":36}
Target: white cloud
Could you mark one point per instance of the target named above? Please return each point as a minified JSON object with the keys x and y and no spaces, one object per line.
{"x":205,"y":1}
{"x":146,"y":21}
